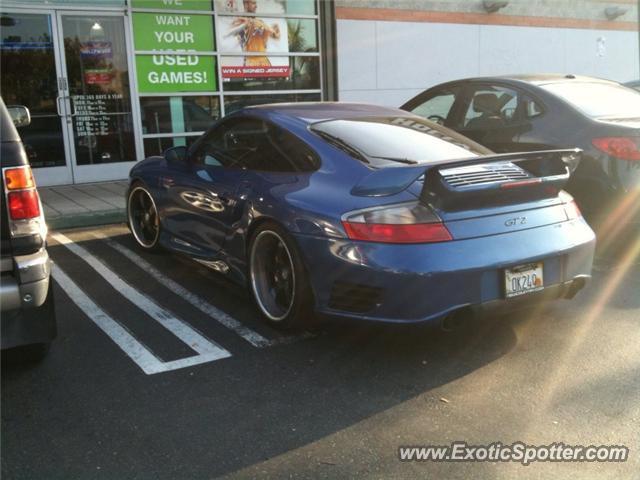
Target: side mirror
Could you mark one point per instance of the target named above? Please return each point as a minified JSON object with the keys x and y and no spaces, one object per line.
{"x":176,"y":154}
{"x":19,"y":115}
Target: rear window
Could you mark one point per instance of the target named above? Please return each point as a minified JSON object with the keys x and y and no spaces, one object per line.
{"x":389,"y":141}
{"x":598,"y":100}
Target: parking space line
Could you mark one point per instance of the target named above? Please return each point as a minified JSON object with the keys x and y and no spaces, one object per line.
{"x":207,"y":349}
{"x":144,"y":358}
{"x":198,"y":302}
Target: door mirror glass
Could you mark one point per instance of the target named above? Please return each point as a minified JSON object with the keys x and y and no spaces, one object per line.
{"x":176,"y":154}
{"x":20,"y":115}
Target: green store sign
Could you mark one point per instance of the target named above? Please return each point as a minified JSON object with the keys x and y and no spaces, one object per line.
{"x":173,"y":4}
{"x":175,"y":73}
{"x":170,"y":31}
{"x":173,"y":69}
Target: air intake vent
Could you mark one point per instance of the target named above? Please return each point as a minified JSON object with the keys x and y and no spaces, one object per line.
{"x":352,"y":297}
{"x":474,"y":175}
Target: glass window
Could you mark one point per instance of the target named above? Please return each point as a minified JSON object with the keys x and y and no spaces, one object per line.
{"x":98,"y":77}
{"x":598,"y":99}
{"x":156,"y":146}
{"x":283,"y":73}
{"x":236,"y":102}
{"x":491,"y":107}
{"x":267,"y":35}
{"x":178,"y":114}
{"x":302,"y":34}
{"x":438,"y":107}
{"x":258,"y":7}
{"x":388,"y":141}
{"x":532,"y":109}
{"x":27,"y":49}
{"x":255,"y":145}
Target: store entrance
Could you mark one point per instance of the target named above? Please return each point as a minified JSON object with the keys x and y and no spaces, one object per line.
{"x":71,"y":70}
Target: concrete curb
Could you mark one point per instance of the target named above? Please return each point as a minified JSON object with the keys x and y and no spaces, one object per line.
{"x":88,"y":219}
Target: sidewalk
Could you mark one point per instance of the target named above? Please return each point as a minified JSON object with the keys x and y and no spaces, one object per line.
{"x":84,"y":205}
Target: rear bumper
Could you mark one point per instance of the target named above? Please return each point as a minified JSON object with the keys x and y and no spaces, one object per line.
{"x":27,"y":283}
{"x":28,"y":314}
{"x":422,"y":283}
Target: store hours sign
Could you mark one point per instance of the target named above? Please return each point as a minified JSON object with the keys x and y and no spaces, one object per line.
{"x":173,"y":37}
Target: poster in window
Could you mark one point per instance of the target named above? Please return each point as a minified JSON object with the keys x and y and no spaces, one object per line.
{"x":97,"y":62}
{"x":256,"y":37}
{"x":266,"y":7}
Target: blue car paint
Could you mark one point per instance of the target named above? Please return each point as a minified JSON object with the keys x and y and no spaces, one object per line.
{"x":424,"y":282}
{"x":421,"y":282}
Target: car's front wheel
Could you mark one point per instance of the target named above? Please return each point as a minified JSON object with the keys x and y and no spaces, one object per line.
{"x":142,"y":217}
{"x":278,"y":279}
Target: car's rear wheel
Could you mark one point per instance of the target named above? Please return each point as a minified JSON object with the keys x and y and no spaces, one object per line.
{"x":278,"y":279}
{"x":143,"y":219}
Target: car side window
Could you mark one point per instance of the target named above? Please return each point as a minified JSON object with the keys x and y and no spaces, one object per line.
{"x":531,"y":108}
{"x":223,"y":147}
{"x":491,"y":107}
{"x":438,"y":106}
{"x":254,"y":144}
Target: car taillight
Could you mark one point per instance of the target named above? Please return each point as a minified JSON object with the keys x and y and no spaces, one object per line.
{"x":404,"y":223}
{"x":23,"y":203}
{"x":624,"y":148}
{"x":19,"y":178}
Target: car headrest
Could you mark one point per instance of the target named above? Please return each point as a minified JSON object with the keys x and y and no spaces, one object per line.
{"x":486,"y":103}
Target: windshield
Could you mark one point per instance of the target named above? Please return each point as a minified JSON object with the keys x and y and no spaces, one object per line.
{"x":385,"y":141}
{"x":598,"y":99}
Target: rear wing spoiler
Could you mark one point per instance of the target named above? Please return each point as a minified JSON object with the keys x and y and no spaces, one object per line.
{"x":546,"y":168}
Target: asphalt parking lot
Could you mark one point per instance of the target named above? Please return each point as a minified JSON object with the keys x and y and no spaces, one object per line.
{"x":163,"y":370}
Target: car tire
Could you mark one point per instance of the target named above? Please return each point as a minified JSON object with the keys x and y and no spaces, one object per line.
{"x":278,"y":279}
{"x":143,"y":218}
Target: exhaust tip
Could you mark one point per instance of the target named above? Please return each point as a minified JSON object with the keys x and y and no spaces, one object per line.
{"x":577,"y":285}
{"x":455,"y":320}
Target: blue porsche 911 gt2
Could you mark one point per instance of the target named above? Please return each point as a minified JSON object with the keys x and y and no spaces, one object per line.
{"x":364,"y":212}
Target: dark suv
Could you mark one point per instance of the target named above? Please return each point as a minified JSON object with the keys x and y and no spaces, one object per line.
{"x":26,"y":294}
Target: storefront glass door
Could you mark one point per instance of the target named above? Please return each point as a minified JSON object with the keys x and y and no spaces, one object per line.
{"x":97,"y":97}
{"x":31,"y":76}
{"x":71,"y":70}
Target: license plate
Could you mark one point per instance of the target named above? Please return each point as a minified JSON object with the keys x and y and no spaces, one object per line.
{"x":523,"y":279}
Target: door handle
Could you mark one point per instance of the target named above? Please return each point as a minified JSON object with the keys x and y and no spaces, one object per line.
{"x":58,"y":109}
{"x":58,"y":98}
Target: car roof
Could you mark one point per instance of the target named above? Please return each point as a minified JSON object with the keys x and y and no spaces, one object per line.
{"x":540,"y":79}
{"x":313,"y":112}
